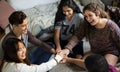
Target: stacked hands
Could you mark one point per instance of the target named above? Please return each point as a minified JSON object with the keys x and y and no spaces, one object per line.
{"x":63,"y":54}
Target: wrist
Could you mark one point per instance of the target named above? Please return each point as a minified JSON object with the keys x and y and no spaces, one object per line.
{"x":68,"y":50}
{"x":58,"y":58}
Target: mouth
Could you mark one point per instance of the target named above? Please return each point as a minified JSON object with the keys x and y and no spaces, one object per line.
{"x":23,"y":55}
{"x":91,"y":21}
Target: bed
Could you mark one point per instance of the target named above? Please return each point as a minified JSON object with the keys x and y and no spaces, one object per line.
{"x":40,"y":13}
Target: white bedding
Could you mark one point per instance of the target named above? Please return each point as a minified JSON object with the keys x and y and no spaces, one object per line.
{"x":41,"y":17}
{"x":40,"y":13}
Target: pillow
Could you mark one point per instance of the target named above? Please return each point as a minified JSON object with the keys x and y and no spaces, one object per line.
{"x":5,"y":11}
{"x":25,"y":4}
{"x":85,"y":2}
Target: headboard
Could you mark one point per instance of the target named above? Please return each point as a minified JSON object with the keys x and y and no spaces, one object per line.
{"x":5,"y":11}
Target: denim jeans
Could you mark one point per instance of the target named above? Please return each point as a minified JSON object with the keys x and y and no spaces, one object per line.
{"x":39,"y":55}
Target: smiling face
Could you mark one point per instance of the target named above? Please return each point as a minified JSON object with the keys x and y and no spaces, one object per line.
{"x":22,"y":28}
{"x":68,"y":12}
{"x":21,"y":53}
{"x":91,"y":17}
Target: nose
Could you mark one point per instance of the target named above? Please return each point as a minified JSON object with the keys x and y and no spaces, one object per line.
{"x":26,"y":26}
{"x":66,"y":13}
{"x":24,"y":50}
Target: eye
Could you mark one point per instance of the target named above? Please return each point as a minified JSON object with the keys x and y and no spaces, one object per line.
{"x":68,"y":10}
{"x":90,"y":15}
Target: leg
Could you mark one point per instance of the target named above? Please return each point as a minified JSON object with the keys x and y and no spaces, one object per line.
{"x":39,"y":56}
{"x":111,"y":59}
{"x":78,"y":50}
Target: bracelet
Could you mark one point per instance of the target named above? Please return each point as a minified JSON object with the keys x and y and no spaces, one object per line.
{"x":56,"y":60}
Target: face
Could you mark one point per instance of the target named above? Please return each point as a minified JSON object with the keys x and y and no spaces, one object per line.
{"x":22,"y":28}
{"x":91,"y":17}
{"x":68,"y":11}
{"x":21,"y":53}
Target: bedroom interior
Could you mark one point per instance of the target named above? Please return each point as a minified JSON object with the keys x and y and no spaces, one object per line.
{"x":41,"y":14}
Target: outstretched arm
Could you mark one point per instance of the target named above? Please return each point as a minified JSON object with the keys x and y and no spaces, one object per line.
{"x":57,"y":39}
{"x":79,"y":62}
{"x":70,"y":45}
{"x":32,"y":39}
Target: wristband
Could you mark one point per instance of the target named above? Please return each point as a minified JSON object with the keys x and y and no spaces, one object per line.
{"x":56,"y":60}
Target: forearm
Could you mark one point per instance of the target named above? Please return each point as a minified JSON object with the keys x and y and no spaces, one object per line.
{"x":32,"y":39}
{"x":71,"y":44}
{"x":57,"y":43}
{"x":57,"y":38}
{"x":79,"y":62}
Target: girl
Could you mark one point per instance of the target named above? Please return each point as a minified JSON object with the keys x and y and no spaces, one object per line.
{"x":15,"y":59}
{"x":68,"y":20}
{"x":102,"y":33}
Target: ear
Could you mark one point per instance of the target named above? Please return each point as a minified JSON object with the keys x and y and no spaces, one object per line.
{"x":14,"y":26}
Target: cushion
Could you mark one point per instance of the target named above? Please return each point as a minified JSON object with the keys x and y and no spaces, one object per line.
{"x":5,"y":11}
{"x":85,"y":2}
{"x":25,"y":4}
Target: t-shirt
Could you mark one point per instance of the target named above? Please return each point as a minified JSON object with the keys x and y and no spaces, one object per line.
{"x":26,"y":38}
{"x":68,"y":28}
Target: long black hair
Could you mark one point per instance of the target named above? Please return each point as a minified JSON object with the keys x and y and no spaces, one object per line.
{"x":10,"y":52}
{"x":70,"y":3}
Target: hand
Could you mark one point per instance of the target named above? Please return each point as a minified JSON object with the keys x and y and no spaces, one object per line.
{"x":53,"y":51}
{"x":65,"y":51}
{"x":58,"y":49}
{"x":61,"y":54}
{"x":65,"y":60}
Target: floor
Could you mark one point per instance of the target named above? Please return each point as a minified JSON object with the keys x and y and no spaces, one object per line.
{"x":71,"y":67}
{"x":67,"y":68}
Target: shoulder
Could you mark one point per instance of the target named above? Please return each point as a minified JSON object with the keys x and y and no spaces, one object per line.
{"x":16,"y":67}
{"x":11,"y":67}
{"x":59,"y":23}
{"x":112,"y":25}
{"x":9,"y":35}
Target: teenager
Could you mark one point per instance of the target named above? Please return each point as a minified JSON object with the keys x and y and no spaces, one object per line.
{"x":67,"y":22}
{"x":16,"y":60}
{"x":103,"y":35}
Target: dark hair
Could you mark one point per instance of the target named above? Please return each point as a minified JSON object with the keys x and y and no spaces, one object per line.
{"x":17,"y":17}
{"x":70,"y":3}
{"x":10,"y":52}
{"x":96,"y":63}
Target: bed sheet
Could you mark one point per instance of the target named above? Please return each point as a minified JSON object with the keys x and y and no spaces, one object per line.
{"x":41,"y":17}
